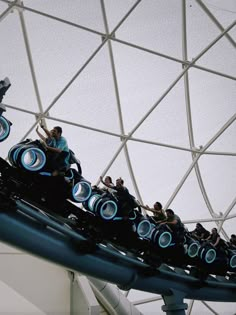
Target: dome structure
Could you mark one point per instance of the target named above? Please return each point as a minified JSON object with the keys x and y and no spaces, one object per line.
{"x":143,"y":90}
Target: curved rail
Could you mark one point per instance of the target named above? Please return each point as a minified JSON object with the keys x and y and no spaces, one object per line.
{"x":55,"y":241}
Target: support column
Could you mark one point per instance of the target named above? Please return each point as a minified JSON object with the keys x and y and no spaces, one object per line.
{"x":83,"y":300}
{"x":174,"y":304}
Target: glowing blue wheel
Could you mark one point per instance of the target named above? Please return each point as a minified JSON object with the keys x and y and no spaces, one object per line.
{"x":192,"y":249}
{"x":92,"y":201}
{"x":12,"y":154}
{"x":232,"y":262}
{"x":133,"y":216}
{"x":162,"y":238}
{"x":33,"y":159}
{"x":107,"y":209}
{"x":144,"y":228}
{"x":81,"y":191}
{"x":4,"y":128}
{"x":208,"y":254}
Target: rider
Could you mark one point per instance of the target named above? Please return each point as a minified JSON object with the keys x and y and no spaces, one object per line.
{"x":174,"y":222}
{"x":158,"y":213}
{"x":126,"y":202}
{"x":58,"y":150}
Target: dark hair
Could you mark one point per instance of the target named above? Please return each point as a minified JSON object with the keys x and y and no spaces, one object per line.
{"x":199,"y":224}
{"x":110,"y":179}
{"x":170,"y":211}
{"x":158,"y":204}
{"x":121,"y":180}
{"x":58,"y":129}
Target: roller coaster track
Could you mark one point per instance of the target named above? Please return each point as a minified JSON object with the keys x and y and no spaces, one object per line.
{"x":55,"y":241}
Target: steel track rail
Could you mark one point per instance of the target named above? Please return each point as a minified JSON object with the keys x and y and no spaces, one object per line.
{"x":56,"y":242}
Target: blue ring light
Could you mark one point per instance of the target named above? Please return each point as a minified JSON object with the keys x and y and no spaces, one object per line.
{"x":15,"y":154}
{"x":10,"y":154}
{"x":163,"y":236}
{"x":144,"y":228}
{"x":210,"y":256}
{"x":40,"y":160}
{"x":107,"y":207}
{"x":193,"y":249}
{"x":4,"y":128}
{"x":81,"y":191}
{"x":232,"y":261}
{"x":201,"y":253}
{"x":92,"y":200}
{"x":132,"y":218}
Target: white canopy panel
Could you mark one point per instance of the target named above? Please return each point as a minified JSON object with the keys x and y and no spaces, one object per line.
{"x":144,"y":90}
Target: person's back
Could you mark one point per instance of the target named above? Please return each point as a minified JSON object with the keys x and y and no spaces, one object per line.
{"x":126,"y":202}
{"x":61,"y":143}
{"x":122,"y":192}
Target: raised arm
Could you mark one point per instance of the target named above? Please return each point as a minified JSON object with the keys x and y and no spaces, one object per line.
{"x":208,"y":238}
{"x":107,"y":185}
{"x":40,"y":135}
{"x":148,"y":208}
{"x":45,"y":129}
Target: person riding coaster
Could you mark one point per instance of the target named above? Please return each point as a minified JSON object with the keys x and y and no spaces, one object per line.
{"x":107,"y":206}
{"x":136,"y":229}
{"x":154,"y":252}
{"x":31,"y":156}
{"x":218,"y":257}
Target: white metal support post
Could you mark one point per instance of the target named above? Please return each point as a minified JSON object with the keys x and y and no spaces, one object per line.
{"x":116,"y":87}
{"x":83,"y":300}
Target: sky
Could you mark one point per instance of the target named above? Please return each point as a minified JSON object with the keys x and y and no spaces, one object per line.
{"x":127,"y":105}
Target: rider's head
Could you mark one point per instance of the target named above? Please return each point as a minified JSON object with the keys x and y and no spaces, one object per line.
{"x":56,"y":132}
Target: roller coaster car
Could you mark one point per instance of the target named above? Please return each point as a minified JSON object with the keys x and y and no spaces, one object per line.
{"x":218,"y":260}
{"x":5,"y":124}
{"x":106,"y":207}
{"x":46,"y":190}
{"x":5,"y":127}
{"x":29,"y":176}
{"x":33,"y":156}
{"x":132,"y":231}
{"x":208,"y":259}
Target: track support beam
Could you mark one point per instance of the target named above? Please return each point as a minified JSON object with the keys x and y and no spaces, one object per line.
{"x":174,"y":303}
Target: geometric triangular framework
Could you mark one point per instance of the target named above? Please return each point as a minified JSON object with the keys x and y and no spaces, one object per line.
{"x":104,"y":88}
